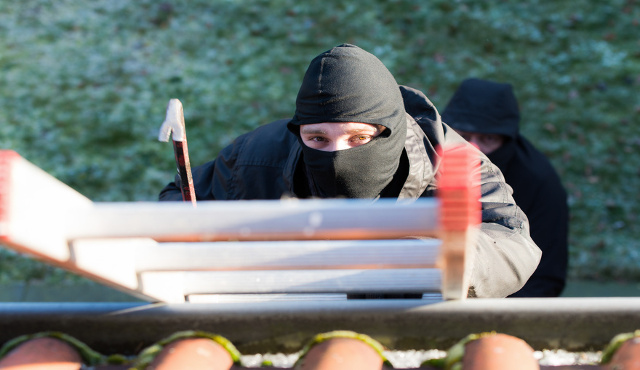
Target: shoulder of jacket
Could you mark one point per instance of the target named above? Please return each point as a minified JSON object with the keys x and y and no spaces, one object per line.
{"x":418,"y":106}
{"x":268,"y":145}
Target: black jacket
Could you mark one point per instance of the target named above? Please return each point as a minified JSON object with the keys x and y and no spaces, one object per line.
{"x":540,"y":194}
{"x":266,"y":164}
{"x":490,"y":107}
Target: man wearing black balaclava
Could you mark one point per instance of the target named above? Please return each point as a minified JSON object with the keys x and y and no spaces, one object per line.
{"x":357,"y":134}
{"x":486,"y":113}
{"x":370,"y":95}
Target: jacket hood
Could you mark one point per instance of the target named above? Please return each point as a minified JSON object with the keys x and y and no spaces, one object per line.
{"x":483,"y":106}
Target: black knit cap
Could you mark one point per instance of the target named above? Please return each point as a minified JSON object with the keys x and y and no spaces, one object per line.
{"x":349,"y":84}
{"x":485,"y":107}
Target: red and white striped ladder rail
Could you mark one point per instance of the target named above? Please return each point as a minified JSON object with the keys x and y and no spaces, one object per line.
{"x":172,"y":252}
{"x":460,"y":215}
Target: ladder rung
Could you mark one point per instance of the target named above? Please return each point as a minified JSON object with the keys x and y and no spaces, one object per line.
{"x":301,"y":281}
{"x":287,"y":255}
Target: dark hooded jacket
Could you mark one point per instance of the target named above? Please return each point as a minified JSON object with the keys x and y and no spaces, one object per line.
{"x":348,"y":84}
{"x":489,"y":107}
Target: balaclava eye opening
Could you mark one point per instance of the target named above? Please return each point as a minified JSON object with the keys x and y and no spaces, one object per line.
{"x":348,"y":84}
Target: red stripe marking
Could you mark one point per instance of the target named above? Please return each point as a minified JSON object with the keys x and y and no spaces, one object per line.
{"x":459,"y":188}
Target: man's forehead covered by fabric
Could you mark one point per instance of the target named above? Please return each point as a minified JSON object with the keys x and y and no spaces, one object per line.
{"x":348,"y":84}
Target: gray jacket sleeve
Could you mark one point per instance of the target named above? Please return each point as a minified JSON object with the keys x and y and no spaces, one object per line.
{"x":505,"y":255}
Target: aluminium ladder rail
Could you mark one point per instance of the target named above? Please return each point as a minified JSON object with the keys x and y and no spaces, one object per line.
{"x":312,"y":249}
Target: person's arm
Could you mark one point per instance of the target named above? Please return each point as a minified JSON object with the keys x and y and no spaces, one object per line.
{"x":210,"y":180}
{"x":171,"y":191}
{"x":202,"y":178}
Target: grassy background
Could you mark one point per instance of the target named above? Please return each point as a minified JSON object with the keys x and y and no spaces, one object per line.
{"x":84,"y":87}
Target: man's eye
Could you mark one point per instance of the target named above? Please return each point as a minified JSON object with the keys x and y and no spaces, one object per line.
{"x":361,"y":138}
{"x":317,"y":139}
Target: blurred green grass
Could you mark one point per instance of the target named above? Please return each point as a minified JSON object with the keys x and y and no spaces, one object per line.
{"x":84,"y":86}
